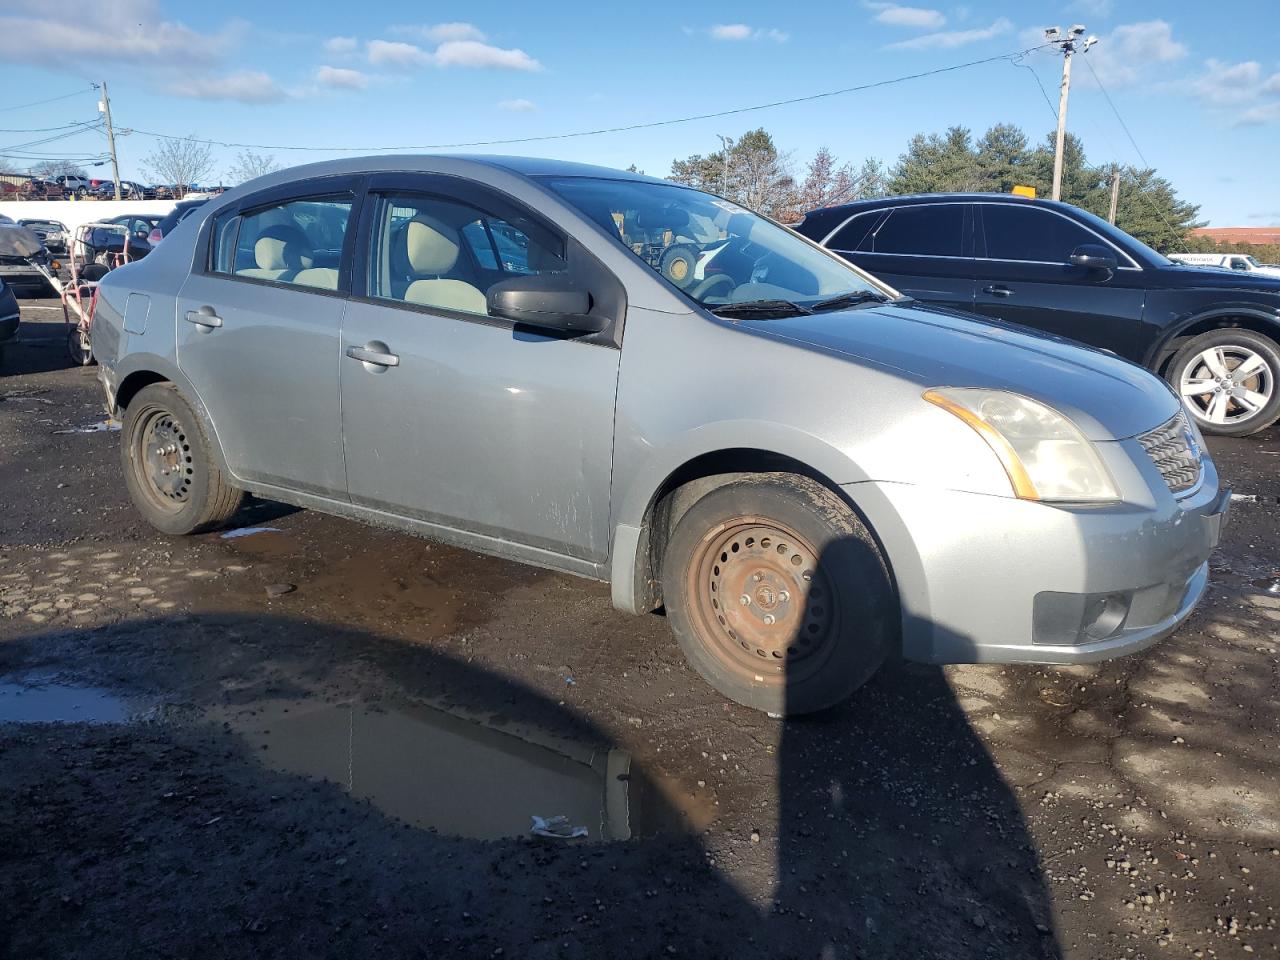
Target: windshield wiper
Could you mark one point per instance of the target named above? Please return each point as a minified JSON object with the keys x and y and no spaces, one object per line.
{"x":850,"y":299}
{"x":760,"y":309}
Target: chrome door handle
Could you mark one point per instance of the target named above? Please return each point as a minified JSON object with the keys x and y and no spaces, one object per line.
{"x":998,"y":291}
{"x":204,"y":317}
{"x":375,"y":353}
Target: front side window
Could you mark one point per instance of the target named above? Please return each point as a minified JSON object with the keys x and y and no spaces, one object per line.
{"x":935,"y":230}
{"x":1027,"y":234}
{"x":437,"y":252}
{"x":297,"y":242}
{"x":716,"y":252}
{"x":854,"y":235}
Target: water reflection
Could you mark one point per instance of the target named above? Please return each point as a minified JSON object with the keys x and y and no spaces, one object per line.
{"x":452,"y":773}
{"x":42,"y":700}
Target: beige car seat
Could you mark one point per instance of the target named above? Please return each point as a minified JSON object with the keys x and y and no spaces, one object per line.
{"x":432,"y":248}
{"x":280,"y":253}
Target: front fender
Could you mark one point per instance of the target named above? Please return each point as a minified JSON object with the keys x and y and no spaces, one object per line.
{"x":1176,"y":327}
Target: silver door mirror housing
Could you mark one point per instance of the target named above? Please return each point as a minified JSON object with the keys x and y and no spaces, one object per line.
{"x":552,"y":301}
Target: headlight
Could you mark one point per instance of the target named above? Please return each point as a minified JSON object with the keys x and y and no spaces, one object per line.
{"x":1044,"y":454}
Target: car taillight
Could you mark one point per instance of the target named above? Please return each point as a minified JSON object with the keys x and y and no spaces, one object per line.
{"x":155,"y":236}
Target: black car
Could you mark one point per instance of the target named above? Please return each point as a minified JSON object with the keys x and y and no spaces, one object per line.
{"x":1213,"y":334}
{"x":181,"y":210}
{"x":10,"y":314}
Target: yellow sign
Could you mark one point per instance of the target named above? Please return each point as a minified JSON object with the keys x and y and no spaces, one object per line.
{"x":1021,"y":191}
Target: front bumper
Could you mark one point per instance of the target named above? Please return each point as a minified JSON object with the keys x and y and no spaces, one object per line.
{"x":969,"y":568}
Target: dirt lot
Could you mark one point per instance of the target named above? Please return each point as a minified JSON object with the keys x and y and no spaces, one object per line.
{"x":323,"y":740}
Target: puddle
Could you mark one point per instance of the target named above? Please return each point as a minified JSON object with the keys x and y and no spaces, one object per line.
{"x":103,"y":426}
{"x":460,"y":776}
{"x":38,"y":701}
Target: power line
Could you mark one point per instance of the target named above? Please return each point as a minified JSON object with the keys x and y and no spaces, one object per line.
{"x":36,"y":103}
{"x":603,"y":130}
{"x":78,"y":123}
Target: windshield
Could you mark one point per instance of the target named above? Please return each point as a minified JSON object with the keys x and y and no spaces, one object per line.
{"x":42,"y":224}
{"x":715,"y":251}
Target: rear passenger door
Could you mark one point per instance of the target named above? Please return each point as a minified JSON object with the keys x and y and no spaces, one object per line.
{"x":258,"y":327}
{"x":460,"y":419}
{"x":922,"y":250}
{"x":1024,"y":276}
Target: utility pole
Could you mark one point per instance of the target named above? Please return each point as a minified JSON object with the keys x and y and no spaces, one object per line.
{"x":105,"y":107}
{"x":1115,"y":195}
{"x":1068,"y":46}
{"x":725,"y":144}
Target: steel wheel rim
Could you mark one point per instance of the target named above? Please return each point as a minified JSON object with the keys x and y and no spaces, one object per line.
{"x":1227,"y":384}
{"x":164,"y":461}
{"x":762,"y":600}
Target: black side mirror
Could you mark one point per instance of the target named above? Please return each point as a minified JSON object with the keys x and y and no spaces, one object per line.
{"x":1094,"y":256}
{"x":549,"y":300}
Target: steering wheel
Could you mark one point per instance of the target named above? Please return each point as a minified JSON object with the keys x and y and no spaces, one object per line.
{"x":706,"y":286}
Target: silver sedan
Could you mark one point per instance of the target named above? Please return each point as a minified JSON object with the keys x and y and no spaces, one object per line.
{"x":630,"y":380}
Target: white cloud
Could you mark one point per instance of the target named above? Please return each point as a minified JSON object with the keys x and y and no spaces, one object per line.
{"x":1272,"y":85}
{"x":917,"y":18}
{"x":1124,"y":56}
{"x":394,"y":53}
{"x":472,"y":53}
{"x":955,"y":38}
{"x":342,"y":77}
{"x":1093,"y":8}
{"x":1256,"y":116}
{"x":341,"y":44}
{"x":440,"y":32}
{"x":1225,"y":83}
{"x":451,"y":53}
{"x":518,"y":106}
{"x":130,"y":31}
{"x":244,"y":86}
{"x":740,"y":31}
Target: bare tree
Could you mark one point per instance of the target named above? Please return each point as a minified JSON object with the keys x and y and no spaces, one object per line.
{"x":54,"y":168}
{"x":179,"y":162}
{"x":250,"y":166}
{"x":826,"y":184}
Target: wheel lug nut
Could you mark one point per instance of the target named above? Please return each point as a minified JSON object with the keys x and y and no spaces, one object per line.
{"x":783,"y":597}
{"x":768,"y":619}
{"x":757,"y":577}
{"x":745,"y":600}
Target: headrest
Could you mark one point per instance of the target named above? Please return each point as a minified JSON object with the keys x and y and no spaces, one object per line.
{"x":431,"y":245}
{"x":282,"y":248}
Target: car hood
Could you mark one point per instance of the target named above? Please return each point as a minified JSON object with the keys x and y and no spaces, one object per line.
{"x":1107,"y":398}
{"x":16,"y":241}
{"x":1191,"y":276}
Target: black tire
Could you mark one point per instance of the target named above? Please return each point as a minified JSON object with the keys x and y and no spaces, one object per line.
{"x":786,"y":548}
{"x":78,"y":347}
{"x":93,"y":272}
{"x":162,"y":433}
{"x":677,"y":264}
{"x":1229,"y":406}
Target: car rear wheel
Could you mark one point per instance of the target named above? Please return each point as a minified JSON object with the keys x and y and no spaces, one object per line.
{"x":778,"y":595}
{"x":169,"y":468}
{"x":1230,"y":380}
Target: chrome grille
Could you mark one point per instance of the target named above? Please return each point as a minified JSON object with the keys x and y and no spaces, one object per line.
{"x":1173,"y":449}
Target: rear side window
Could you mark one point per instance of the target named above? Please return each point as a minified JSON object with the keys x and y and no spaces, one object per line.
{"x":931,"y":231}
{"x":296,"y":242}
{"x":1027,"y":234}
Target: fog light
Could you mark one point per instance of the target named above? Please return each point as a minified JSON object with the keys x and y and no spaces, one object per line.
{"x":1069,"y":619}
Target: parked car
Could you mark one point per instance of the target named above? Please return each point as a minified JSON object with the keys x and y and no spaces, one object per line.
{"x":10,"y":317}
{"x":40,"y":188}
{"x":103,"y":242}
{"x":72,"y":184}
{"x":137,"y":191}
{"x":807,"y":471}
{"x":1213,"y":334}
{"x":181,"y":210}
{"x":52,"y":233}
{"x":140,"y":225}
{"x":20,"y":248}
{"x":1242,"y":262}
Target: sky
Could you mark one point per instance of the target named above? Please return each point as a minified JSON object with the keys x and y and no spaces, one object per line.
{"x":1197,"y":84}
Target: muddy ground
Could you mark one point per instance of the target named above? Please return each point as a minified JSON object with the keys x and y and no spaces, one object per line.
{"x":325,"y":740}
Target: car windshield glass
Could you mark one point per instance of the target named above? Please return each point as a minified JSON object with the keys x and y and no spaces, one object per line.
{"x":717,"y":252}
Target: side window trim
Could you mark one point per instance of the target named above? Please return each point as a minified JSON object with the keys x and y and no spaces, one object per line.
{"x":1121,"y":255}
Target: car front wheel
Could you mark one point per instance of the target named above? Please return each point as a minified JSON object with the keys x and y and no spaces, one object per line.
{"x":778,"y":595}
{"x":1230,"y":380}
